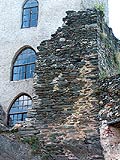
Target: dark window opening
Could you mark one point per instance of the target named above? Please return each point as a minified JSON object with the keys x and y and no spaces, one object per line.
{"x":30,"y":14}
{"x":24,"y":65}
{"x":19,"y":109}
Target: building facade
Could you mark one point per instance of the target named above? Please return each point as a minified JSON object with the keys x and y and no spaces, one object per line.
{"x":24,"y":24}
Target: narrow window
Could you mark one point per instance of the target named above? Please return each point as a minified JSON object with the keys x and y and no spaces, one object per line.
{"x":30,"y":14}
{"x":19,"y":109}
{"x":24,"y":65}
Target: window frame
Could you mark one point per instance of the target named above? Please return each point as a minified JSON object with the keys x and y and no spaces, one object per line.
{"x":29,"y":26}
{"x":18,"y":113}
{"x":20,"y":65}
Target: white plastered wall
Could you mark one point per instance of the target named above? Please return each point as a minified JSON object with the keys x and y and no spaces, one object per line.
{"x":12,"y":38}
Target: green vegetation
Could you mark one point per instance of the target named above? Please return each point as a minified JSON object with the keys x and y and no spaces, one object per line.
{"x":38,"y":147}
{"x":33,"y":142}
{"x":102,"y":74}
{"x":100,"y":7}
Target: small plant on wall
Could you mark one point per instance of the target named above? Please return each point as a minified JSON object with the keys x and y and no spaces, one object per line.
{"x":102,"y":74}
{"x":33,"y":142}
{"x":100,"y":7}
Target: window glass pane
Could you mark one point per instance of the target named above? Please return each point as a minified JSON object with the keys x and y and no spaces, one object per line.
{"x":33,"y":67}
{"x":25,"y":54}
{"x":29,"y":51}
{"x":25,"y":24}
{"x":28,"y":75}
{"x":16,"y":104}
{"x":30,"y":102}
{"x":15,"y":77}
{"x":26,"y":12}
{"x":21,"y":109}
{"x":21,"y":76}
{"x":25,"y":103}
{"x":19,"y":57}
{"x":21,"y":68}
{"x":32,"y":59}
{"x":30,"y":71}
{"x":16,"y":69}
{"x":25,"y":109}
{"x":28,"y":59}
{"x":26,"y":97}
{"x":30,"y":14}
{"x":31,"y":3}
{"x":34,"y":10}
{"x":15,"y":117}
{"x":19,"y":61}
{"x":26,"y":18}
{"x":24,"y":65}
{"x":24,"y":116}
{"x":14,"y":110}
{"x":21,"y":103}
{"x":33,"y":23}
{"x":18,"y":111}
{"x":34,"y":17}
{"x":19,"y":117}
{"x":21,"y":98}
{"x":16,"y":62}
{"x":24,"y":61}
{"x":21,"y":72}
{"x":28,"y":68}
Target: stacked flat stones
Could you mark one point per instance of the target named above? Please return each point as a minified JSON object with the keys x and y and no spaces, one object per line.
{"x":65,"y":79}
{"x":110,"y":100}
{"x":66,"y":103}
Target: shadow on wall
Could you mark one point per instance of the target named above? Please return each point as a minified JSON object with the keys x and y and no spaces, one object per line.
{"x":2,"y":115}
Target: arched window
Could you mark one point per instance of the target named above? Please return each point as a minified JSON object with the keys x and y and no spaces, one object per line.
{"x":24,"y":65}
{"x":30,"y":14}
{"x":19,"y":109}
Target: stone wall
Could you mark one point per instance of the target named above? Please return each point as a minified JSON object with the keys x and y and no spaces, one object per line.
{"x":68,"y":93}
{"x":65,"y":79}
{"x":108,"y":50}
{"x":109,"y":90}
{"x":110,"y":99}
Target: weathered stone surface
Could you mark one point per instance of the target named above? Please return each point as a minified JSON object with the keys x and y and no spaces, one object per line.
{"x":65,"y":102}
{"x":110,"y":100}
{"x":10,"y":149}
{"x":109,"y":51}
{"x":110,"y":116}
{"x":2,"y":126}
